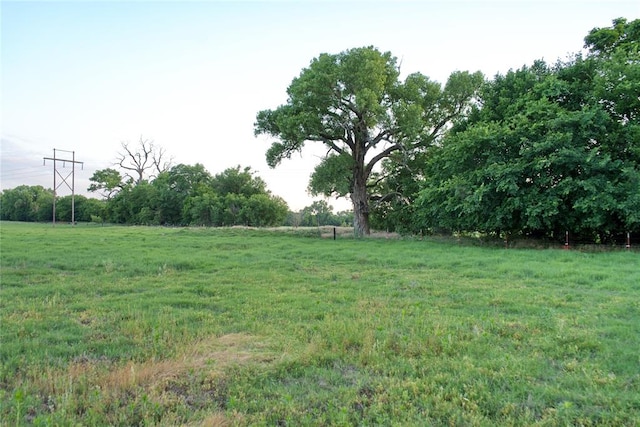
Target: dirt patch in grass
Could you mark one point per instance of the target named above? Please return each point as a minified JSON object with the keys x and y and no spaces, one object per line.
{"x":194,"y":380}
{"x":212,"y":355}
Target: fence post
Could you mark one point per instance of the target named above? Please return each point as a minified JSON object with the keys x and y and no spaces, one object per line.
{"x":566,"y":239}
{"x":334,"y":233}
{"x":628,"y":240}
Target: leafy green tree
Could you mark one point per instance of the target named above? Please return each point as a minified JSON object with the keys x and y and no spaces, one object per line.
{"x":396,"y":189}
{"x":43,"y":205}
{"x":551,"y":149}
{"x":243,"y":199}
{"x":91,"y":210}
{"x":615,"y":52}
{"x":345,"y":218}
{"x":107,"y":182}
{"x":231,"y":209}
{"x":26,"y":203}
{"x":293,"y":219}
{"x":173,"y":187}
{"x":63,"y":207}
{"x":134,"y":204}
{"x":238,"y":181}
{"x":16,"y":204}
{"x":317,"y":214}
{"x":261,"y":210}
{"x":85,"y":208}
{"x":188,"y":194}
{"x":621,"y":36}
{"x":355,"y":105}
{"x":202,"y":208}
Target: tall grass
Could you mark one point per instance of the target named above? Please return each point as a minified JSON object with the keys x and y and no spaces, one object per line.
{"x":162,"y":326}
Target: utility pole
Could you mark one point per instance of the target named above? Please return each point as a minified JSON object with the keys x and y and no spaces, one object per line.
{"x":64,"y":179}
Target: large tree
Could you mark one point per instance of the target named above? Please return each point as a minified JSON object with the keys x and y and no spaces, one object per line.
{"x":142,"y":162}
{"x":355,"y":105}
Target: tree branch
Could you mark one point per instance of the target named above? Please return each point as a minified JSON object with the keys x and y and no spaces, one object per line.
{"x":351,"y":107}
{"x":139,"y":162}
{"x":160,"y":162}
{"x":382,"y":136}
{"x":378,"y":181}
{"x":381,"y":155}
{"x":333,"y":145}
{"x":389,"y":196}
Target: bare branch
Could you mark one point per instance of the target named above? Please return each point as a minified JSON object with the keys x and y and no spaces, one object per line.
{"x":140,"y":161}
{"x":160,"y":163}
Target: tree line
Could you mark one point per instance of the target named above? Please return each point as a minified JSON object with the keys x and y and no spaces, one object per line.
{"x":145,"y":188}
{"x":35,"y":204}
{"x":534,"y":152}
{"x":179,"y":195}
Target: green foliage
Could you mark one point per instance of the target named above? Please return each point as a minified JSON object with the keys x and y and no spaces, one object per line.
{"x":616,"y":51}
{"x":393,"y":206}
{"x":85,"y":208}
{"x":552,"y":149}
{"x":622,"y":35}
{"x":202,"y":208}
{"x":26,"y":203}
{"x":263,"y":210}
{"x":189,"y":195}
{"x":107,"y":181}
{"x":354,"y":104}
{"x":332,"y":176}
{"x":174,"y":187}
{"x":319,"y":214}
{"x":134,"y":204}
{"x":35,"y":204}
{"x":236,"y":181}
{"x":178,"y":326}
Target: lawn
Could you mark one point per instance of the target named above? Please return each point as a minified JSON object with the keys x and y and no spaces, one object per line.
{"x":199,"y":326}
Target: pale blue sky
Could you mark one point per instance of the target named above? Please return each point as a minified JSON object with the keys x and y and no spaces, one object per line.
{"x":85,"y":75}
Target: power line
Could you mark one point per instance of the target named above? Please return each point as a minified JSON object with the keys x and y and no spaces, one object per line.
{"x":23,"y":173}
{"x":64,"y":180}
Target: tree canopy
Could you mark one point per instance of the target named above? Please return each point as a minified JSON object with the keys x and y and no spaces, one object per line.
{"x":190,"y":195}
{"x":26,"y":203}
{"x":552,"y":149}
{"x":158,"y":193}
{"x":355,"y":105}
{"x":106,"y":182}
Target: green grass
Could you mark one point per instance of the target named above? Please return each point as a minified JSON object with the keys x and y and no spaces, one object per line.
{"x":173,"y":326}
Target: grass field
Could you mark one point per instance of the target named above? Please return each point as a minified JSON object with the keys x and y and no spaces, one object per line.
{"x":188,"y":326}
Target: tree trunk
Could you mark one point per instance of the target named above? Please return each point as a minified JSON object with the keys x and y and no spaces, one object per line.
{"x":360,"y":200}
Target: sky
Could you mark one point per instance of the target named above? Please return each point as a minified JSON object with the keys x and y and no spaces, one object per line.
{"x":85,"y":76}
